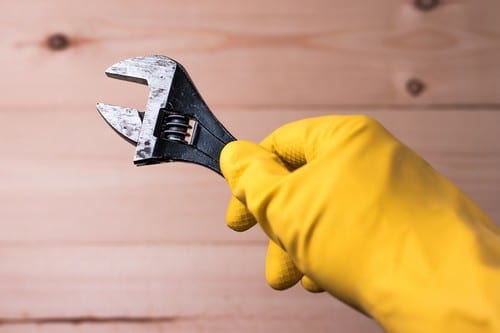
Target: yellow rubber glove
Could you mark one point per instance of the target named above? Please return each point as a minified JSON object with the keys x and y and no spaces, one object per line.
{"x":370,"y":222}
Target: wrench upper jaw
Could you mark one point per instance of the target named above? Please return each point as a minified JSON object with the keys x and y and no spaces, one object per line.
{"x":122,"y":77}
{"x":127,"y":70}
{"x":148,"y":70}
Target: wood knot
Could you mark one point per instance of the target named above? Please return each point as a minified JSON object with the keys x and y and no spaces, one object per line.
{"x":426,"y":5}
{"x":58,"y":42}
{"x":415,"y":87}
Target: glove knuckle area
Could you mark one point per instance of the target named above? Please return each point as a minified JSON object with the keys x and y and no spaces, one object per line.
{"x":365,"y":121}
{"x":291,"y":141}
{"x":290,"y":151}
{"x":351,"y":127}
{"x":302,"y":141}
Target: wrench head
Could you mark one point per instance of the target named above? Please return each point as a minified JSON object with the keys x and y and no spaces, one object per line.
{"x":177,"y":124}
{"x":155,"y":71}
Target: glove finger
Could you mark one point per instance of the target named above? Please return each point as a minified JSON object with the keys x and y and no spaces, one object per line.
{"x":290,"y":154}
{"x":310,"y":285}
{"x":289,"y":143}
{"x":302,"y":141}
{"x":238,"y":217}
{"x":281,"y":272}
{"x":254,"y":175}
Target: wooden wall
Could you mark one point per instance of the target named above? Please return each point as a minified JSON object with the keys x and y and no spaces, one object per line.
{"x":90,"y":243}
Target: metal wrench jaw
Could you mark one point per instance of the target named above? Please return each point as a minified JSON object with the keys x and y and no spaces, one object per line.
{"x":126,"y":122}
{"x":177,"y":125}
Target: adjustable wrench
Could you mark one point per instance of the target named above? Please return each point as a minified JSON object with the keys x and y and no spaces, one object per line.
{"x":177,"y":125}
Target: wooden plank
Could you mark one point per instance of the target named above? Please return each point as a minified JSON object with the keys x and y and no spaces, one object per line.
{"x":254,"y":325}
{"x":283,"y":52}
{"x":68,"y":178}
{"x":165,"y":287}
{"x":90,"y":243}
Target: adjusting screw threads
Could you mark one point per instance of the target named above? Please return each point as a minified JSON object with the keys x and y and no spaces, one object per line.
{"x":176,"y":128}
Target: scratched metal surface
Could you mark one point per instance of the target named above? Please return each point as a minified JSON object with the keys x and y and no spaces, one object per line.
{"x":125,"y":121}
{"x":157,"y":72}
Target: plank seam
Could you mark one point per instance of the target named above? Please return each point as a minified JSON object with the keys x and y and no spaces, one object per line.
{"x":89,"y":320}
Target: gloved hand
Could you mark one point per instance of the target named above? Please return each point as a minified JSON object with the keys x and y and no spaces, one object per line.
{"x":369,"y":221}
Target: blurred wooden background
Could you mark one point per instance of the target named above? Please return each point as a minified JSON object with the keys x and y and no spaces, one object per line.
{"x":90,"y":243}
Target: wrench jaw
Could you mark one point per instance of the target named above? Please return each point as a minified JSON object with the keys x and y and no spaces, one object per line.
{"x":125,"y":121}
{"x":177,"y":125}
{"x":148,"y":70}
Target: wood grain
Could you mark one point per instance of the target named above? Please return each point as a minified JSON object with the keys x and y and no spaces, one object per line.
{"x":222,"y":325}
{"x":281,"y":52}
{"x":76,"y":187}
{"x":90,"y":243}
{"x":185,"y":288}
